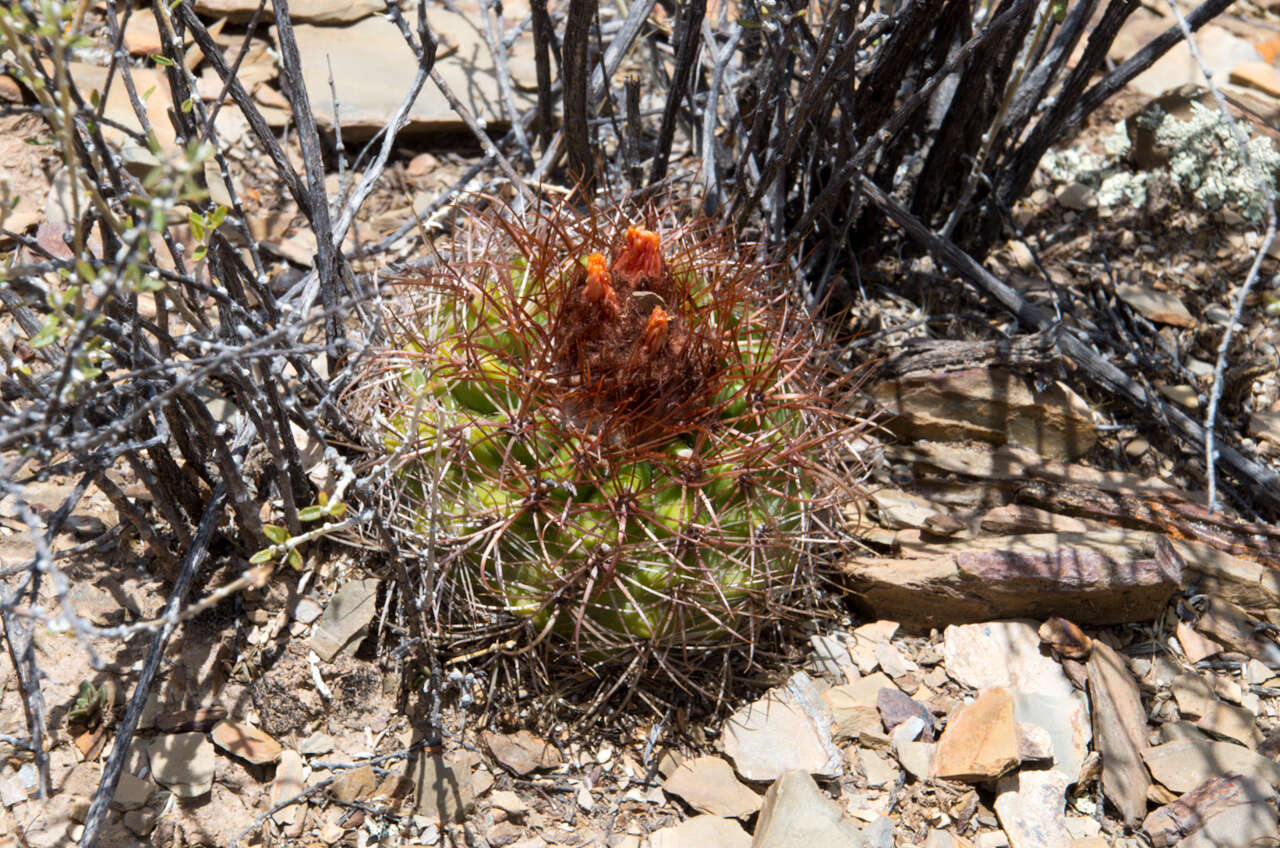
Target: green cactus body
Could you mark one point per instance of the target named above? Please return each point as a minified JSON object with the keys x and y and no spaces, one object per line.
{"x":614,"y":455}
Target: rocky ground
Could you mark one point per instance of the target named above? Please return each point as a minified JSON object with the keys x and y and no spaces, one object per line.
{"x":1051,"y":642}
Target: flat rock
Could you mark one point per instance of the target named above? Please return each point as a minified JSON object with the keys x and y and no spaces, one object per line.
{"x":1002,"y":653}
{"x":1161,"y":307}
{"x":1020,"y":518}
{"x":855,"y":706}
{"x":830,"y":655}
{"x":316,"y":744}
{"x":1119,"y":732}
{"x":1233,"y":627}
{"x":345,"y":619}
{"x":1184,"y":764}
{"x":1035,"y":745}
{"x":182,"y":763}
{"x":118,"y":107}
{"x":1243,"y":824}
{"x":896,"y":707}
{"x":132,"y":792}
{"x":701,"y":831}
{"x":1246,"y":583}
{"x":510,"y":803}
{"x":95,"y":604}
{"x":900,"y":510}
{"x":1182,"y":394}
{"x":199,"y":720}
{"x":1065,"y":719}
{"x":442,"y":788}
{"x":1220,"y":50}
{"x":373,"y":69}
{"x":1212,"y":799}
{"x":1222,"y":719}
{"x":21,"y":177}
{"x":797,"y":814}
{"x":1192,"y":694}
{"x":355,"y":784}
{"x":916,"y":757}
{"x":981,"y":741}
{"x":1031,"y":806}
{"x":521,"y":753}
{"x":1259,"y":75}
{"x":307,"y":610}
{"x":290,"y":779}
{"x":246,"y":742}
{"x":1076,"y":196}
{"x":878,"y":769}
{"x":709,"y":785}
{"x":1265,"y":425}
{"x":1033,"y":576}
{"x":788,"y":729}
{"x":891,"y":661}
{"x":1010,"y":463}
{"x":991,"y":405}
{"x":301,"y":11}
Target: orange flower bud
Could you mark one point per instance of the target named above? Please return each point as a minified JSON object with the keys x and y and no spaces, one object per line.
{"x":641,"y":259}
{"x":655,"y":332}
{"x":598,"y":289}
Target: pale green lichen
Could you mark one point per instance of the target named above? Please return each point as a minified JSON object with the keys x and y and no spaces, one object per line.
{"x":1205,"y":160}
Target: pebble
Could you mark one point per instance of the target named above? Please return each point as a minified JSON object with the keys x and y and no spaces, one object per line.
{"x":797,"y":814}
{"x":701,"y":831}
{"x":779,"y":733}
{"x":246,"y":742}
{"x":708,"y":785}
{"x":1031,"y":805}
{"x":342,"y":625}
{"x":1002,"y":653}
{"x":182,"y":763}
{"x":981,"y":741}
{"x":521,"y":752}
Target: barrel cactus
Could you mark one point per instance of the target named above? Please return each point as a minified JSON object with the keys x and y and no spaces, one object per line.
{"x":614,"y":436}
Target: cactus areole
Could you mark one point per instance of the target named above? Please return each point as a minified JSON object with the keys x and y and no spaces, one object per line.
{"x":613,"y":447}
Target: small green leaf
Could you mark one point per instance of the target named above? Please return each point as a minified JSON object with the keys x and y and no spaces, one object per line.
{"x":264,"y":555}
{"x":295,"y":559}
{"x":338,"y":509}
{"x":275,"y":533}
{"x":197,"y":226}
{"x":199,"y":253}
{"x":187,"y":106}
{"x":322,"y":498}
{"x":311,"y":513}
{"x":85,"y":270}
{"x":47,"y":334}
{"x":162,"y":60}
{"x":216,"y":217}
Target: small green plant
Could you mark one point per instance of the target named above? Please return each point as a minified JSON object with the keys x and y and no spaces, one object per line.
{"x":620,"y":443}
{"x":92,"y":708}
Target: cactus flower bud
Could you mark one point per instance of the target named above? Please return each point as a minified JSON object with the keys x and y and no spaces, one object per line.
{"x":655,"y":332}
{"x":598,"y":289}
{"x":641,"y":259}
